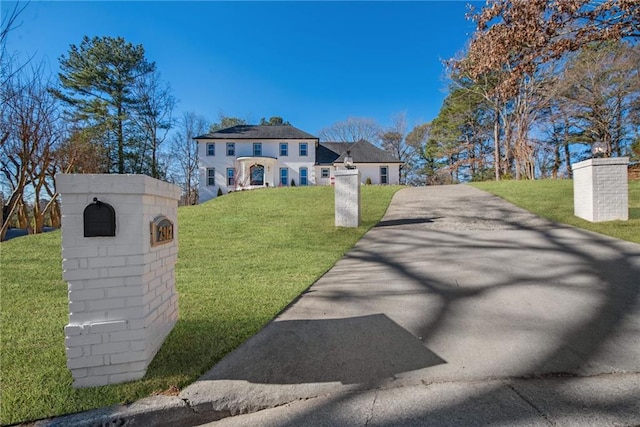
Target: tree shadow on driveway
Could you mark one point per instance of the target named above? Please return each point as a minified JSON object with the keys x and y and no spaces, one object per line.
{"x":497,"y":293}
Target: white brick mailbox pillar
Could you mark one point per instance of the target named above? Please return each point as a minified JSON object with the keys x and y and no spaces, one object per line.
{"x":601,"y":190}
{"x":347,"y":198}
{"x":122,"y":298}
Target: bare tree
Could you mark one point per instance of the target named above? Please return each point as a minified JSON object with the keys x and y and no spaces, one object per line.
{"x":514,"y":114}
{"x":184,"y":151}
{"x":519,"y":35}
{"x":154,"y":115}
{"x":9,"y":21}
{"x":394,"y":140}
{"x":30,"y":118}
{"x":80,"y":152}
{"x":417,"y":138}
{"x":8,"y":66}
{"x":352,"y":130}
{"x":600,"y":86}
{"x":556,"y":128}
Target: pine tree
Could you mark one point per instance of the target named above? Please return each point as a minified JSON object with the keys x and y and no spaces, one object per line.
{"x":97,"y":80}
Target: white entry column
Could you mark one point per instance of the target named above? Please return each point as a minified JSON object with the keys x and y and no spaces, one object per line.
{"x":601,"y":189}
{"x":347,"y":198}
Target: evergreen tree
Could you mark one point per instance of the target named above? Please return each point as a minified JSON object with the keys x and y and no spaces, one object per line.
{"x":274,"y":121}
{"x":460,"y":136}
{"x":226,"y":122}
{"x":97,"y":80}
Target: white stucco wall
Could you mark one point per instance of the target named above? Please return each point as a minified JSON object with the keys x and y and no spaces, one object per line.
{"x":367,"y":170}
{"x":324,"y":181}
{"x":221,"y":162}
{"x":372,"y":170}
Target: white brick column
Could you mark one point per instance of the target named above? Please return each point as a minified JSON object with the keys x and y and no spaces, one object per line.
{"x":347,"y":198}
{"x":122,"y":298}
{"x":601,"y":190}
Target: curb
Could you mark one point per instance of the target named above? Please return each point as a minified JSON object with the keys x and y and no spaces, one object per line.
{"x":150,"y":411}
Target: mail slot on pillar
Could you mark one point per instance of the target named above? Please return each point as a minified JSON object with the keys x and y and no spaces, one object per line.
{"x":99,"y":219}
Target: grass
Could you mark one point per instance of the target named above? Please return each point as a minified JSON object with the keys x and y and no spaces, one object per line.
{"x":553,"y":199}
{"x":242,"y":258}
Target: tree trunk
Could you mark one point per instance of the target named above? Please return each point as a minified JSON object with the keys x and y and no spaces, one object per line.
{"x":618,"y":128}
{"x":508,"y":161}
{"x":556,"y":161}
{"x":12,"y":207}
{"x":187,"y":188}
{"x":567,"y":159}
{"x":120,"y":141}
{"x":38,"y":221}
{"x":54,"y":214}
{"x":154,"y":155}
{"x":23,"y":216}
{"x":567,"y":152}
{"x":496,"y":144}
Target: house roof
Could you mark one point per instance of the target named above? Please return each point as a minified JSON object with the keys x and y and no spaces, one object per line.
{"x":258,"y":132}
{"x":362,"y":152}
{"x":326,"y":154}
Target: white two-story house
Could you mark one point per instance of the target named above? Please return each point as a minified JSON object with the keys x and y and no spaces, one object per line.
{"x":246,"y":157}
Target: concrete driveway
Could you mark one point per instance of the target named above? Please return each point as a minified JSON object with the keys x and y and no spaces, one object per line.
{"x":454,"y":290}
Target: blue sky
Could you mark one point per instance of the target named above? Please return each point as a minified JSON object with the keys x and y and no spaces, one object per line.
{"x":313,"y":63}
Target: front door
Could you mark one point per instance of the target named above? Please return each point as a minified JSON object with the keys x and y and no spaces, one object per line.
{"x":257,"y":175}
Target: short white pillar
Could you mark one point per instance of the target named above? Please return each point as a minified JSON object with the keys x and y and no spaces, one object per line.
{"x":347,"y":198}
{"x":122,"y":298}
{"x":601,"y":190}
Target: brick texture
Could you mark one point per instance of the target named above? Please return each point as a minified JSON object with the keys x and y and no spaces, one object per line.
{"x":601,"y":190}
{"x":347,"y":198}
{"x":122,"y":296}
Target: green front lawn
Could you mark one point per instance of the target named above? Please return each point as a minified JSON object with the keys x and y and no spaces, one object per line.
{"x":553,"y":199}
{"x":242,"y":258}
